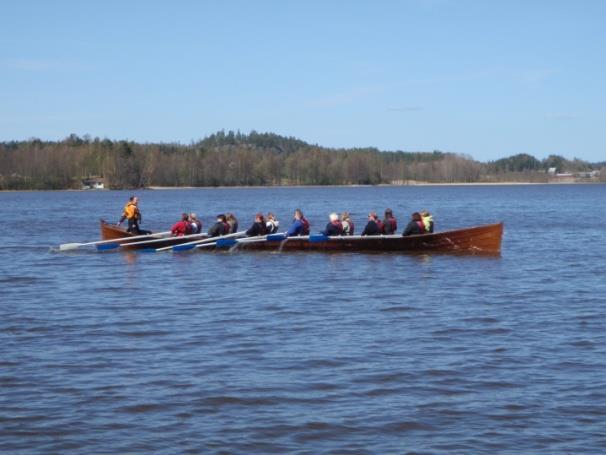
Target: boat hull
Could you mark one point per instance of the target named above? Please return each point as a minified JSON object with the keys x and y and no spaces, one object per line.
{"x":118,"y":233}
{"x":485,"y":240}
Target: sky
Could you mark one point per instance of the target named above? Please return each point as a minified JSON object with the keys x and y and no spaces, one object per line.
{"x":487,"y":79}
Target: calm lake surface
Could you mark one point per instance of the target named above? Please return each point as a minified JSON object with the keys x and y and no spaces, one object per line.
{"x":306,"y":352}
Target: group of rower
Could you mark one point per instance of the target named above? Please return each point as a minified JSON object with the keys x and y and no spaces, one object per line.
{"x":420,"y":223}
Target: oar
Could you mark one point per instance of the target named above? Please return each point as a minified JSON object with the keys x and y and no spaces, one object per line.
{"x":196,"y":243}
{"x":228,"y":243}
{"x":73,"y":246}
{"x":145,"y":242}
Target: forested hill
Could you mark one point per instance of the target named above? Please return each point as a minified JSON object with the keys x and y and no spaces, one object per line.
{"x":232,"y":158}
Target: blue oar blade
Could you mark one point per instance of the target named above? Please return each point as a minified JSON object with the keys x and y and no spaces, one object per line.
{"x":108,"y":246}
{"x":226,"y":243}
{"x":276,"y":237}
{"x":184,"y":247}
{"x":148,"y":249}
{"x":316,"y":238}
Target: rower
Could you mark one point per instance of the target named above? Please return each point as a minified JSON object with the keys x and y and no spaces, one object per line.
{"x":334,"y":226}
{"x":427,"y":221}
{"x":415,"y":226}
{"x":272,"y":224}
{"x":258,"y":227}
{"x":300,"y":225}
{"x":348,"y":225}
{"x":390,"y":224}
{"x":232,"y":221}
{"x":372,"y":227}
{"x":220,"y":227}
{"x":181,"y":228}
{"x":196,"y":224}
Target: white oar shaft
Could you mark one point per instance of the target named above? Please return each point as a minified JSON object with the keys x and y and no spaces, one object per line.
{"x":70,"y":246}
{"x":203,"y":241}
{"x":144,"y":242}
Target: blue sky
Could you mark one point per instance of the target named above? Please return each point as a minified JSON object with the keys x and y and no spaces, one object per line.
{"x":487,"y":79}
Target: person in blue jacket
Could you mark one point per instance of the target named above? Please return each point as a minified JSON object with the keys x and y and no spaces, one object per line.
{"x":300,"y":226}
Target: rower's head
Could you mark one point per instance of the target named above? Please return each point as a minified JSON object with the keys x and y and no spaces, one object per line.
{"x":345,"y":215}
{"x":298,"y":214}
{"x":388,"y":213}
{"x":424,"y":213}
{"x":193,"y":216}
{"x":372,"y":215}
{"x":333,"y":217}
{"x":416,"y":216}
{"x":184,"y":217}
{"x":221,"y":218}
{"x":259,"y":218}
{"x":135,"y":200}
{"x":270,"y":216}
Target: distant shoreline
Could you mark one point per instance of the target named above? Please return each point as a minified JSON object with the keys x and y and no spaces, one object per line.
{"x":176,"y":188}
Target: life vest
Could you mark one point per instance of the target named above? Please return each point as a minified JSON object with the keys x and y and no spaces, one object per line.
{"x":305,"y":230}
{"x":226,"y":228}
{"x":196,"y":227}
{"x":393,"y":225}
{"x":337,"y":224}
{"x":421,"y":227}
{"x":379,"y":224}
{"x":131,"y":211}
{"x":351,"y":227}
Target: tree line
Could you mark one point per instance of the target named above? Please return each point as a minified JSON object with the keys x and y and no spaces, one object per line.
{"x":235,"y":159}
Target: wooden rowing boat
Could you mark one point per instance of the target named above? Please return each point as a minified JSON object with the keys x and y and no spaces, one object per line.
{"x":118,"y":233}
{"x":485,"y":240}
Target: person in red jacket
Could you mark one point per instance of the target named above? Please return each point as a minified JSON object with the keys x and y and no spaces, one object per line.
{"x":182,"y":227}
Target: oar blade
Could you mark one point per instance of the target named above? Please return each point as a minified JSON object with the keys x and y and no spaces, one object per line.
{"x":108,"y":246}
{"x":184,"y":247}
{"x":226,"y":243}
{"x":276,"y":237}
{"x":69,"y":246}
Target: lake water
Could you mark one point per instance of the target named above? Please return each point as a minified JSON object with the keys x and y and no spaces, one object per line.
{"x":257,"y":352}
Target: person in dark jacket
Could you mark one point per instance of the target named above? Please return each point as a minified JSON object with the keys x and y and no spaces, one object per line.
{"x":390,"y":225}
{"x":372,"y":227}
{"x":258,"y":227}
{"x":219,"y":228}
{"x":334,"y":226}
{"x":415,"y":226}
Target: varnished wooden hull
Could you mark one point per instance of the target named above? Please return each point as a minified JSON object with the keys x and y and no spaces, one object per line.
{"x":111,"y":232}
{"x":475,"y":240}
